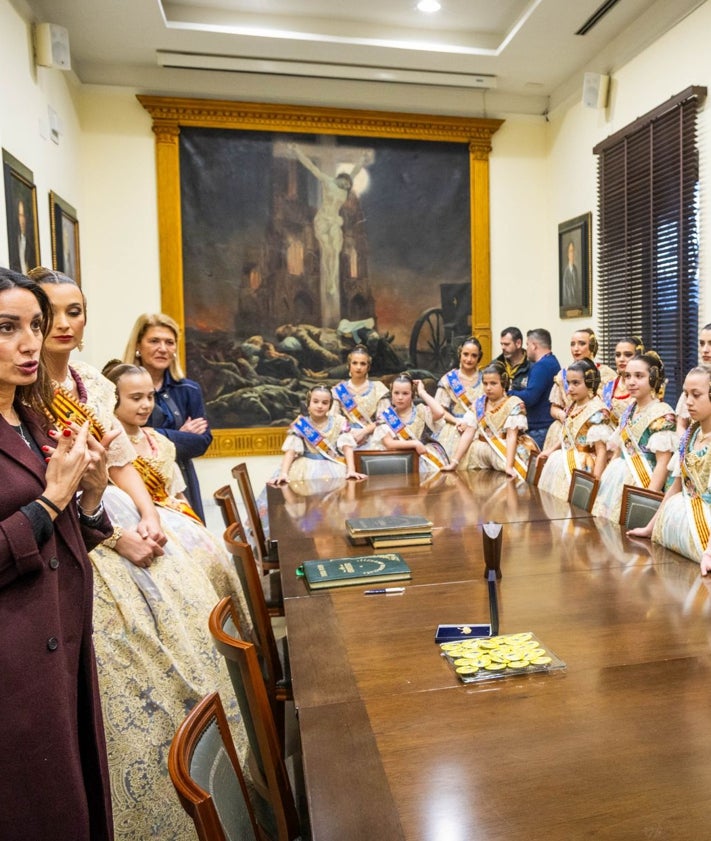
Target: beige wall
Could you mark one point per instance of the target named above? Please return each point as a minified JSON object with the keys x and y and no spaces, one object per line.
{"x":542,"y":172}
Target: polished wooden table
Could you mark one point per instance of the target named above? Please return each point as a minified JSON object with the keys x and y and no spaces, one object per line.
{"x":616,"y":746}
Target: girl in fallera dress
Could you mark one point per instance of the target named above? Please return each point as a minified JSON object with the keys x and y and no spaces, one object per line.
{"x":359,"y":399}
{"x":683,"y":521}
{"x":404,"y":425}
{"x":682,"y":415}
{"x":318,"y":445}
{"x":457,"y":393}
{"x":644,"y":441}
{"x":614,"y":392}
{"x":583,"y":345}
{"x":153,"y":592}
{"x":494,"y":431}
{"x":583,"y":436}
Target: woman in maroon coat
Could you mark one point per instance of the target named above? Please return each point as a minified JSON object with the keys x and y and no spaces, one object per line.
{"x":53,"y":770}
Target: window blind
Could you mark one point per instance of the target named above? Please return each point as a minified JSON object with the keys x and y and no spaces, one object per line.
{"x":648,"y":245}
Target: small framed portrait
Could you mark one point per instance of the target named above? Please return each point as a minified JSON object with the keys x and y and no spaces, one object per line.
{"x":21,"y":212}
{"x":575,"y":267}
{"x":64,"y":226}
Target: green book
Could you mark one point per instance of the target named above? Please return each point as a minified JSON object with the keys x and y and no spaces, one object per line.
{"x":343,"y":572}
{"x":370,"y":526}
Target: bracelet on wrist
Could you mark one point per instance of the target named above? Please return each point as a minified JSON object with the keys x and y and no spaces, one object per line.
{"x":48,"y":502}
{"x":94,"y":518}
{"x":116,"y":535}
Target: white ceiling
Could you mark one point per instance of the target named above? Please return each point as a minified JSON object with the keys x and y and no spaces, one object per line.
{"x":528,"y":46}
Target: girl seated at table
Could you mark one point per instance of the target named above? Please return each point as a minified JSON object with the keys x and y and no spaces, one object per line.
{"x":583,"y":437}
{"x":683,"y":521}
{"x":318,"y":445}
{"x":494,"y":432}
{"x":458,"y":391}
{"x":644,"y":440}
{"x":406,"y":426}
{"x":583,"y":345}
{"x":359,"y":399}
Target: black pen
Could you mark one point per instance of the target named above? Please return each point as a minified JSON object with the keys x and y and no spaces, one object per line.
{"x":384,"y":591}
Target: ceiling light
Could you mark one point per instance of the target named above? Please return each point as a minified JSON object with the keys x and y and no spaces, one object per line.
{"x":429,"y":6}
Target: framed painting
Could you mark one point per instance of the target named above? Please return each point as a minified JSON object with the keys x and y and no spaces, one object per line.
{"x":21,"y":211}
{"x":575,"y":266}
{"x":64,"y":226}
{"x":289,"y":234}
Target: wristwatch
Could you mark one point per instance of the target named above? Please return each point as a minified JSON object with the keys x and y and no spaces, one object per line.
{"x":116,"y":535}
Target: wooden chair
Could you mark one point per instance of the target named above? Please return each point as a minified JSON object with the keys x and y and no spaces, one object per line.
{"x":379,"y":462}
{"x":639,"y":505}
{"x":227,"y":504}
{"x":271,"y":581}
{"x":274,"y":657}
{"x":267,"y":550}
{"x":583,"y":490}
{"x":204,"y":768}
{"x":271,"y":778}
{"x":535,"y":466}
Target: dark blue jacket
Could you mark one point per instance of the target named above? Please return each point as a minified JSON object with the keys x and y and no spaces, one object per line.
{"x":538,"y":388}
{"x":177,"y":401}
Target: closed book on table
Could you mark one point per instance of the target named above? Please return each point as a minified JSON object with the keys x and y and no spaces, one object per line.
{"x":392,"y":541}
{"x":393,"y":524}
{"x":342,"y":572}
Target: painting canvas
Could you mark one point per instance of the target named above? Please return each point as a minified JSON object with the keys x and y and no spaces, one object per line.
{"x":65,"y":237}
{"x":21,"y":211}
{"x":287,"y":264}
{"x":575,"y":266}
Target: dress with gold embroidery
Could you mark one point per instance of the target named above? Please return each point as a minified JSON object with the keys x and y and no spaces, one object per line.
{"x":155,"y":656}
{"x":640,"y":435}
{"x":579,"y":434}
{"x":684,"y":521}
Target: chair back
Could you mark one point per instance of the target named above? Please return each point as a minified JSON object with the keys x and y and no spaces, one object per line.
{"x":205,"y":770}
{"x":535,"y":466}
{"x":639,"y":505}
{"x":227,"y":504}
{"x":249,"y":577}
{"x":264,"y":549}
{"x":379,"y":462}
{"x":583,"y":490}
{"x":243,"y":667}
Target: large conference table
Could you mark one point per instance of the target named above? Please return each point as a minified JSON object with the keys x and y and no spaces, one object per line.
{"x":615,"y":746}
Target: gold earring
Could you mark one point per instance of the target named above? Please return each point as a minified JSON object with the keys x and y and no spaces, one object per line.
{"x":80,"y":346}
{"x":138,"y":354}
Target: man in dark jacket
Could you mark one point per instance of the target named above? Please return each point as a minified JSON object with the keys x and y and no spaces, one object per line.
{"x":539,"y":383}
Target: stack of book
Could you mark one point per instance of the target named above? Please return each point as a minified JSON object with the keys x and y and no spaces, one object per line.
{"x":389,"y":532}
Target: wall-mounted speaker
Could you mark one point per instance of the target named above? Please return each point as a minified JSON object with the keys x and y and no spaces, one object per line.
{"x":596,"y":87}
{"x":52,"y":46}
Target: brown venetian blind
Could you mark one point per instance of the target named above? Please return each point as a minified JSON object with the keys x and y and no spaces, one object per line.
{"x":648,"y":245}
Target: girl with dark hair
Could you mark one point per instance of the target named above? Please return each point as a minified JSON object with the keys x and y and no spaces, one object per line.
{"x":457,"y":392}
{"x":583,"y":345}
{"x":683,"y":521}
{"x":614,"y":392}
{"x":359,"y":399}
{"x":645,"y":438}
{"x":318,"y":445}
{"x":54,"y":779}
{"x":496,"y":429}
{"x":406,"y":426}
{"x":583,"y":436}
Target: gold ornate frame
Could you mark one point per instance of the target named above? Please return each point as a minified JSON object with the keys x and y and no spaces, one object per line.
{"x":169,"y":114}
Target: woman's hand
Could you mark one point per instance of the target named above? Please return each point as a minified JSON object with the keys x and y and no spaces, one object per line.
{"x":140,"y":551}
{"x":195,"y":425}
{"x":67,"y":463}
{"x":150,"y":528}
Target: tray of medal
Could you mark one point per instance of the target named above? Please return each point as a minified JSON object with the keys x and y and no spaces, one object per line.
{"x":507,"y":655}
